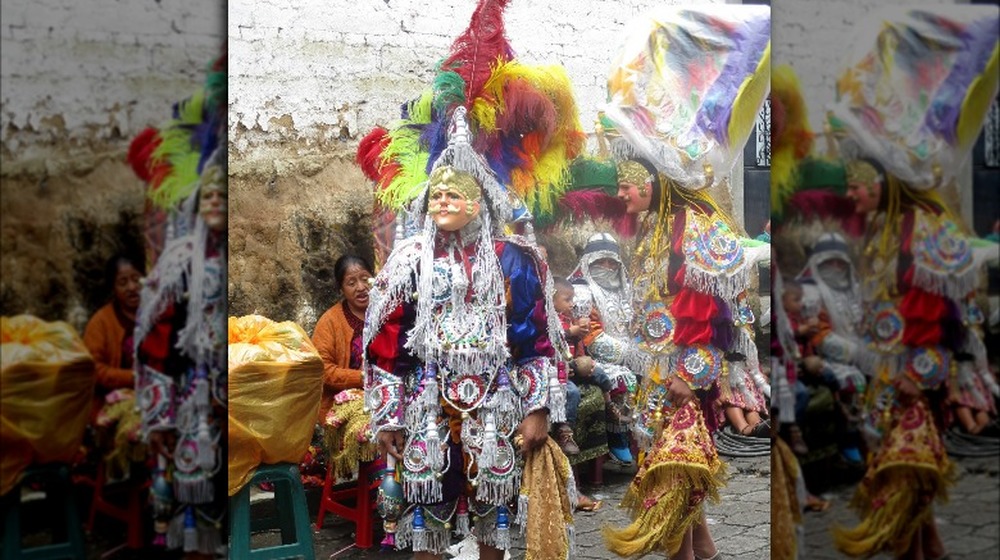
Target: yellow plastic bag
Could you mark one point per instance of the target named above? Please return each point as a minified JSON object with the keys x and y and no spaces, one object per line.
{"x":275,"y":388}
{"x":47,"y":381}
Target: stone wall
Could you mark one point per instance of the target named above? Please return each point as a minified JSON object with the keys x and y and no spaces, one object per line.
{"x":79,"y":81}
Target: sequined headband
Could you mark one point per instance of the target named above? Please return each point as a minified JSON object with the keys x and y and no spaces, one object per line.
{"x":861,"y":171}
{"x":632,"y":172}
{"x":447,"y":177}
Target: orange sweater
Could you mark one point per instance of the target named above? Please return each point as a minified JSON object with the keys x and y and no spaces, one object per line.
{"x":103,"y":337}
{"x":332,"y":338}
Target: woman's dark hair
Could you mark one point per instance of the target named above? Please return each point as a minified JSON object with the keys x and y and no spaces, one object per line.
{"x":347,"y":261}
{"x":114,"y":263}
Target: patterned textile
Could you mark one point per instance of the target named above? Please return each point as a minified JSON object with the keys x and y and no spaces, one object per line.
{"x":665,"y":499}
{"x":409,"y":384}
{"x":909,"y":472}
{"x":590,"y":433}
{"x":787,"y":500}
{"x":345,"y":434}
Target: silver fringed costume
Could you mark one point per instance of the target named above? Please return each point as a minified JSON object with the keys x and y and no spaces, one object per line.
{"x":606,"y":297}
{"x":180,"y":343}
{"x":458,"y":350}
{"x":836,"y":295}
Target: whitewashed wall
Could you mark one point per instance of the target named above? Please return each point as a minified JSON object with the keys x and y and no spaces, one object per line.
{"x":82,"y":75}
{"x":79,"y":79}
{"x":308,"y":77}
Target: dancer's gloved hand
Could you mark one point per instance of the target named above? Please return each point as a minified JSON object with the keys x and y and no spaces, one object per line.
{"x":679,"y":392}
{"x":391,"y":443}
{"x":534,"y":430}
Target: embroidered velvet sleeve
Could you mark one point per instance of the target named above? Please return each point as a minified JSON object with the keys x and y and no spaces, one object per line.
{"x":157,"y":366}
{"x":388,"y":365}
{"x":531,"y":349}
{"x":527,"y":322}
{"x":703,"y":329}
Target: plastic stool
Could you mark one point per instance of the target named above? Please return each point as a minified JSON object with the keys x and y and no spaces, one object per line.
{"x":362,"y":514}
{"x":58,"y":486}
{"x":293,"y":516}
{"x":131,"y":515}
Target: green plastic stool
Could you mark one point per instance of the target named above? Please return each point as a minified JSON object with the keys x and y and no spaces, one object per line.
{"x":58,"y":487}
{"x":292,"y":520}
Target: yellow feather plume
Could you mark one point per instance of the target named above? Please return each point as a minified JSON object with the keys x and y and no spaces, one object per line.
{"x":750,"y":96}
{"x":977,"y":101}
{"x":177,"y":149}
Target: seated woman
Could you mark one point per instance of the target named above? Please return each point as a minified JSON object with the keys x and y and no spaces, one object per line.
{"x":108,"y":337}
{"x":337,"y":337}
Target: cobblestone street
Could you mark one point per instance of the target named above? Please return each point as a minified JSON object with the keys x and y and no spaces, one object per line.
{"x":969,"y":522}
{"x":740,"y":524}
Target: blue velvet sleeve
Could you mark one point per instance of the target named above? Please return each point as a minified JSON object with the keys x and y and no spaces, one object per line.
{"x":527,"y":322}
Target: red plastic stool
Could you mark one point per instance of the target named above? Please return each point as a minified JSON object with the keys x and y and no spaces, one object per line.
{"x":131,"y":514}
{"x":362,"y":514}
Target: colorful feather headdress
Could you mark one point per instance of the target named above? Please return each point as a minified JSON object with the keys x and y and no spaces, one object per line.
{"x":803,"y":184}
{"x":590,"y":195}
{"x":685,"y":89}
{"x":791,"y":136}
{"x":522,"y":118}
{"x":170,"y":159}
{"x":916,"y":89}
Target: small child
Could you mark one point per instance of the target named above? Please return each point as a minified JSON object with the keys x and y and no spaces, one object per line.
{"x":583,"y":369}
{"x":805,"y":331}
{"x":791,"y":300}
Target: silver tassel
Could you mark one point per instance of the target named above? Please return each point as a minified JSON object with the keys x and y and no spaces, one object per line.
{"x":488,"y":454}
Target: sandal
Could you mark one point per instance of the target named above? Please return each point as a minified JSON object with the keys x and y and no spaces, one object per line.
{"x":586,"y":503}
{"x":761,"y":429}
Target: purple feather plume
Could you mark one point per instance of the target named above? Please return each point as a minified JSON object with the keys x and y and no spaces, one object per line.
{"x":748,"y":42}
{"x":977,"y":46}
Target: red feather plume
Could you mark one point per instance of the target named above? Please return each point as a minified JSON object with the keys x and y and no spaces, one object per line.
{"x":140,"y":153}
{"x":526,"y":110}
{"x":370,"y":153}
{"x":822,"y":204}
{"x":595,"y":204}
{"x":475,"y":51}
